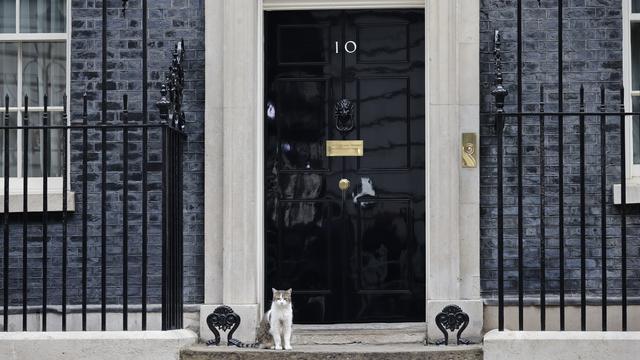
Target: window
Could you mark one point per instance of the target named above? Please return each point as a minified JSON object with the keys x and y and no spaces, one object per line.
{"x":631,"y":70}
{"x":34,"y":61}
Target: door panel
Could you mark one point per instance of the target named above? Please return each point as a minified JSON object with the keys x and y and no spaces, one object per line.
{"x":382,"y":42}
{"x":302,"y":126}
{"x":384,"y":245}
{"x":303,"y":44}
{"x":382,"y":105}
{"x":304,"y":245}
{"x":356,"y":255}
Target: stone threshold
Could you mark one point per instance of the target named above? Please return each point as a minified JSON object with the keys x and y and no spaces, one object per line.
{"x":351,"y":352}
{"x":365,"y":333}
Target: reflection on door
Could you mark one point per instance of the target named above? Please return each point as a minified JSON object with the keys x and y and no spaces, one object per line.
{"x":355,"y":254}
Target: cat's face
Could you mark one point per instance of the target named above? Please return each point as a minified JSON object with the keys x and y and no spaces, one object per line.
{"x":281,"y":297}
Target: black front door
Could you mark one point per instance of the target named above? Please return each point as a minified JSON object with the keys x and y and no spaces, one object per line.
{"x":355,"y":254}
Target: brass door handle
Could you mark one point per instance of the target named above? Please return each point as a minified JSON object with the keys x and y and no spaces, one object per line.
{"x":344,"y":184}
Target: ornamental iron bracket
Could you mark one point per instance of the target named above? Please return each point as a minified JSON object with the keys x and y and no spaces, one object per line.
{"x":452,"y":318}
{"x":170,"y":104}
{"x":343,"y":114}
{"x":223,"y":318}
{"x":499,"y":92}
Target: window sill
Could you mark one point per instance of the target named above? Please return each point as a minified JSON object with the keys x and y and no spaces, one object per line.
{"x":34,"y":202}
{"x":632,"y":195}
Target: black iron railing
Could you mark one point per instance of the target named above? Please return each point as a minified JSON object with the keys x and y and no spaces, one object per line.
{"x":597,"y":159}
{"x":172,"y":114}
{"x":136,"y":193}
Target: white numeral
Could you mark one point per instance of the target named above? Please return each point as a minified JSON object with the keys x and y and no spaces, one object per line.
{"x":349,"y":46}
{"x":353,"y":49}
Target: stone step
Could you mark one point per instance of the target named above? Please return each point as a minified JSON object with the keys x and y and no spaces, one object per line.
{"x":334,"y":352}
{"x":370,"y":333}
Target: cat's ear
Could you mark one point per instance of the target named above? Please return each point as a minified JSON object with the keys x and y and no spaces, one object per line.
{"x":274,"y":290}
{"x":289,"y":291}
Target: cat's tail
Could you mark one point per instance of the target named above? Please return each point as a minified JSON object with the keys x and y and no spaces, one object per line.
{"x":240,"y":344}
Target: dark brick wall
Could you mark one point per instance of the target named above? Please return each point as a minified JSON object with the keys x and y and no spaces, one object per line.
{"x":169,"y":21}
{"x":592,"y":57}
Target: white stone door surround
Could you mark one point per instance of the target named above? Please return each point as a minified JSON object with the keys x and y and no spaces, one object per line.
{"x":234,"y":158}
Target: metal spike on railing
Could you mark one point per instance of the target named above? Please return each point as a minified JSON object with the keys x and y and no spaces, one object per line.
{"x":25,"y":116}
{"x":84,"y":105}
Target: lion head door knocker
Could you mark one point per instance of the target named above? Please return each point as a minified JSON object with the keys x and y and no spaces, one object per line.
{"x":223,"y":318}
{"x":343,"y":115}
{"x":452,"y":318}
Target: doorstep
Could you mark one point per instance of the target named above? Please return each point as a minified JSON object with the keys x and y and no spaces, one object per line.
{"x":333,"y":352}
{"x":367,"y":333}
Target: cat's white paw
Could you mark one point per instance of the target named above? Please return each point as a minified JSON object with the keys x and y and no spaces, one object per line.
{"x":288,"y":347}
{"x":278,"y":347}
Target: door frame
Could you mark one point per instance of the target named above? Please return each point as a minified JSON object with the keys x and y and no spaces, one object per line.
{"x":234,"y":166}
{"x":291,"y":5}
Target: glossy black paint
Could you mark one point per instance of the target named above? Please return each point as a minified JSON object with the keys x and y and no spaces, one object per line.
{"x":357,"y":256}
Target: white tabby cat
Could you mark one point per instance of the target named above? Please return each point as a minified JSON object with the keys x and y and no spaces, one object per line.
{"x":280,"y":319}
{"x":274,"y":331}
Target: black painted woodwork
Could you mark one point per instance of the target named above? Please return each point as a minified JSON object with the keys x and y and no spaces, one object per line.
{"x":361,"y":257}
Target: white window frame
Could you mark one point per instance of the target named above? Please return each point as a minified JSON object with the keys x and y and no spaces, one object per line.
{"x":35,"y":184}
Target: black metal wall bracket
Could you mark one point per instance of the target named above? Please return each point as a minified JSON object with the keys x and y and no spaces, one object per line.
{"x":223,"y":318}
{"x":452,"y":318}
